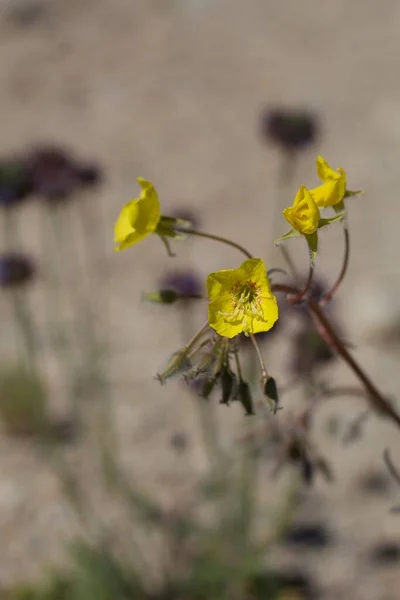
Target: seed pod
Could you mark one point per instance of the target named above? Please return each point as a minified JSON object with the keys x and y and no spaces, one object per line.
{"x":243,"y":394}
{"x":208,"y":386}
{"x":228,"y":379}
{"x":270,"y":390}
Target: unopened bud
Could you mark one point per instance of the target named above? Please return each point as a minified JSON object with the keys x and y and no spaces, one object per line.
{"x":228,"y":379}
{"x":208,"y":385}
{"x":178,"y":362}
{"x":270,"y":390}
{"x":162,"y":296}
{"x":243,"y":394}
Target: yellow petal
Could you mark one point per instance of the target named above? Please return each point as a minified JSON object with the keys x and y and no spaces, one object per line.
{"x":221,"y":282}
{"x":217,"y":310}
{"x":271,"y":314}
{"x":241,"y":300}
{"x":324,"y":170}
{"x":138,"y":218}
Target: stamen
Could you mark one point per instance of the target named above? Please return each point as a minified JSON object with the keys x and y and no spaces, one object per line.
{"x":246,"y":304}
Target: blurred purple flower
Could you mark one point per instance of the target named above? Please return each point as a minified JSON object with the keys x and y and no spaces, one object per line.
{"x":15,"y":269}
{"x":290,"y":129}
{"x":15,"y":181}
{"x":57,"y":174}
{"x":184,"y":282}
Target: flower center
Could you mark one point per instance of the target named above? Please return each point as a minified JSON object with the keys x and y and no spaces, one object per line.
{"x":246,"y":303}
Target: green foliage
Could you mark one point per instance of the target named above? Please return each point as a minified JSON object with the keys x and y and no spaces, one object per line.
{"x":23,"y":407}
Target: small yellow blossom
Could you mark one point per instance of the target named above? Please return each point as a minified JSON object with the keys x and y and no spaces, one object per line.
{"x":138,"y":218}
{"x":241,"y":300}
{"x":304,"y":215}
{"x":333,"y":189}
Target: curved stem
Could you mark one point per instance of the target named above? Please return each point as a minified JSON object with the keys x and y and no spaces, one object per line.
{"x":216,"y":238}
{"x":303,"y":293}
{"x":324,"y":324}
{"x":290,"y":263}
{"x":376,"y":397}
{"x":264,"y":374}
{"x":329,"y":295}
{"x":390,"y":466}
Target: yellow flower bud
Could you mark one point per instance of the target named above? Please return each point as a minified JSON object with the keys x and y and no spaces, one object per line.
{"x":304,"y":215}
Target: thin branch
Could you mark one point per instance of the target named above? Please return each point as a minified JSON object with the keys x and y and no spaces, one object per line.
{"x":264,"y":373}
{"x":329,"y":295}
{"x":323,"y":325}
{"x":390,"y":466}
{"x":306,"y":289}
{"x":216,"y":238}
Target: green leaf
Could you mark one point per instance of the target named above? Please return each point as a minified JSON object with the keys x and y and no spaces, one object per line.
{"x":339,"y":207}
{"x":290,"y":234}
{"x":175,"y":221}
{"x":167,"y":246}
{"x":312,"y":241}
{"x":170,"y":227}
{"x":349,"y":193}
{"x":324,"y":222}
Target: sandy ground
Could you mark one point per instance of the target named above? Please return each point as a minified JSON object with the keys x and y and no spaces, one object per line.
{"x":172,"y":91}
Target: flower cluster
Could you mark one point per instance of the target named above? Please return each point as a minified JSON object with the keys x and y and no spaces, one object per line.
{"x":242,"y":300}
{"x":304,"y":215}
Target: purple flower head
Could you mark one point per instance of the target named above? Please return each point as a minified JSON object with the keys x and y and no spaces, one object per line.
{"x":15,"y":181}
{"x":184,"y":282}
{"x":291,"y":130}
{"x":15,"y":269}
{"x":57,"y":174}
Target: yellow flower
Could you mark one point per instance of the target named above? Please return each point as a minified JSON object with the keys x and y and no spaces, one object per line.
{"x":241,"y":300}
{"x":333,"y":189}
{"x":304,"y":215}
{"x":138,"y":218}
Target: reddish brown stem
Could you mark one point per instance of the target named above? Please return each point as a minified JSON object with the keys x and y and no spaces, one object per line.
{"x":303,"y":293}
{"x":323,"y":325}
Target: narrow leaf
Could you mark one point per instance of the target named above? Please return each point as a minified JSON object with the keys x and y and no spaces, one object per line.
{"x":290,"y":234}
{"x":349,"y":193}
{"x":324,"y":222}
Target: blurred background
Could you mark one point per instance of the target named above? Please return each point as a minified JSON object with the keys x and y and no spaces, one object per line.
{"x":224,"y":107}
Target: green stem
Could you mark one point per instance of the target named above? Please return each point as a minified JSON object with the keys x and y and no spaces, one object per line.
{"x":216,"y":238}
{"x":238,"y":366}
{"x":290,"y":263}
{"x":18,"y":297}
{"x":199,"y":333}
{"x":24,"y":324}
{"x":264,"y":373}
{"x":329,"y":295}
